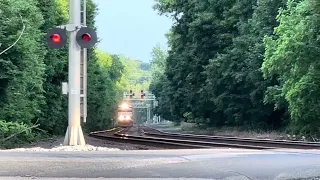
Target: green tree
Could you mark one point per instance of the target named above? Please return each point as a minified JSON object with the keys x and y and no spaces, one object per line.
{"x":22,"y":66}
{"x":135,"y":75}
{"x":292,"y":56}
{"x":158,"y":61}
{"x":159,"y":86}
{"x":54,"y":112}
{"x":31,"y":73}
{"x":213,"y":65}
{"x":235,"y":81}
{"x":202,"y":31}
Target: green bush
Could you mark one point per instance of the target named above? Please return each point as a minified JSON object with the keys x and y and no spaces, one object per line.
{"x":13,"y":134}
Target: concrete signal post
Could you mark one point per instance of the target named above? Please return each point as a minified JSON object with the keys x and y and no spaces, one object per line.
{"x":80,"y":38}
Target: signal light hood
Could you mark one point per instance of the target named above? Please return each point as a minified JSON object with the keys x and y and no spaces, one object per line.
{"x":56,"y":38}
{"x":86,"y":37}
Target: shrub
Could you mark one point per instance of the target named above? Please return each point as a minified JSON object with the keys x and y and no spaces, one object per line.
{"x":13,"y":134}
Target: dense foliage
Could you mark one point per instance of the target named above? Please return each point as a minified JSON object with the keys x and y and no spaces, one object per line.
{"x":31,"y":74}
{"x":293,"y":56}
{"x":250,"y":63}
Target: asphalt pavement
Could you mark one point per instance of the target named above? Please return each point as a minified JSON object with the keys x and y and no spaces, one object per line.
{"x":226,"y":164}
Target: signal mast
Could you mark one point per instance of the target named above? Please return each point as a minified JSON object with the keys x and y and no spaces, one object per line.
{"x":81,"y":38}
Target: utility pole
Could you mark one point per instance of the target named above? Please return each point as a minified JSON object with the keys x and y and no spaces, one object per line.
{"x":80,"y":38}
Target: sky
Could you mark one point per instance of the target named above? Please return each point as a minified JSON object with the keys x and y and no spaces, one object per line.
{"x":130,"y":27}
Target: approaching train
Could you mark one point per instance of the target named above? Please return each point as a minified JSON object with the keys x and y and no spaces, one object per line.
{"x":125,"y":118}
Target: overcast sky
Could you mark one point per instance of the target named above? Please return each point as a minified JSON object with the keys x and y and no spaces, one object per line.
{"x":130,"y":27}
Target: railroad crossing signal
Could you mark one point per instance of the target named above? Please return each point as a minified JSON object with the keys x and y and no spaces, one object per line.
{"x":81,"y":38}
{"x":86,"y":37}
{"x":131,"y":94}
{"x":142,"y":94}
{"x":56,"y":38}
{"x":141,"y":104}
{"x":147,"y":96}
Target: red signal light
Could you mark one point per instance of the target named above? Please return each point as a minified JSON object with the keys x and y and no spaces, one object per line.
{"x":56,"y":38}
{"x":86,"y":37}
{"x":131,"y":94}
{"x":142,"y":94}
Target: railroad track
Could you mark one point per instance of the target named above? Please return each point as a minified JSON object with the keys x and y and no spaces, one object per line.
{"x":233,"y":141}
{"x":120,"y":135}
{"x":113,"y":130}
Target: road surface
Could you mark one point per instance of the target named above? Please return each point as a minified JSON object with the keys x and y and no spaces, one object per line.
{"x":227,"y":164}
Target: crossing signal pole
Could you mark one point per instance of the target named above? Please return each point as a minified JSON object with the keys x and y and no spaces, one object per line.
{"x":80,"y":37}
{"x":74,"y":134}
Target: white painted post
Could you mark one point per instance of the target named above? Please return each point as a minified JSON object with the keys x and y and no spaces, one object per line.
{"x":74,"y":134}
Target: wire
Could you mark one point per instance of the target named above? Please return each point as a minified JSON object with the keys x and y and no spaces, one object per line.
{"x":23,"y":28}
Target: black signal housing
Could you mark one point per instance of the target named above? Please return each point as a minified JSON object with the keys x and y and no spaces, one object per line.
{"x":86,"y":37}
{"x":56,"y":38}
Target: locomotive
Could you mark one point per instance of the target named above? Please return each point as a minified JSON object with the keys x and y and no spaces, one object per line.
{"x":124,"y":118}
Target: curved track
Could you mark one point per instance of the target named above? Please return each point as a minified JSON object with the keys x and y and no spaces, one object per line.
{"x":120,"y":135}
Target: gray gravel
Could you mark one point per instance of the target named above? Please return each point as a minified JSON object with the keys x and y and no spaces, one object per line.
{"x":93,"y":144}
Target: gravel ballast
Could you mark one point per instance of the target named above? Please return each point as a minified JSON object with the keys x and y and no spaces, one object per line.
{"x":92,"y":144}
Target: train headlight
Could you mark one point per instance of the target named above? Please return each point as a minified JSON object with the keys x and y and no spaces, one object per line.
{"x":128,"y":118}
{"x":124,"y":106}
{"x":121,"y":117}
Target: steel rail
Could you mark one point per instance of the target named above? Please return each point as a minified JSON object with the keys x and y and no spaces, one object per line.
{"x":192,"y":142}
{"x":142,"y":141}
{"x":234,"y":140}
{"x":120,"y":136}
